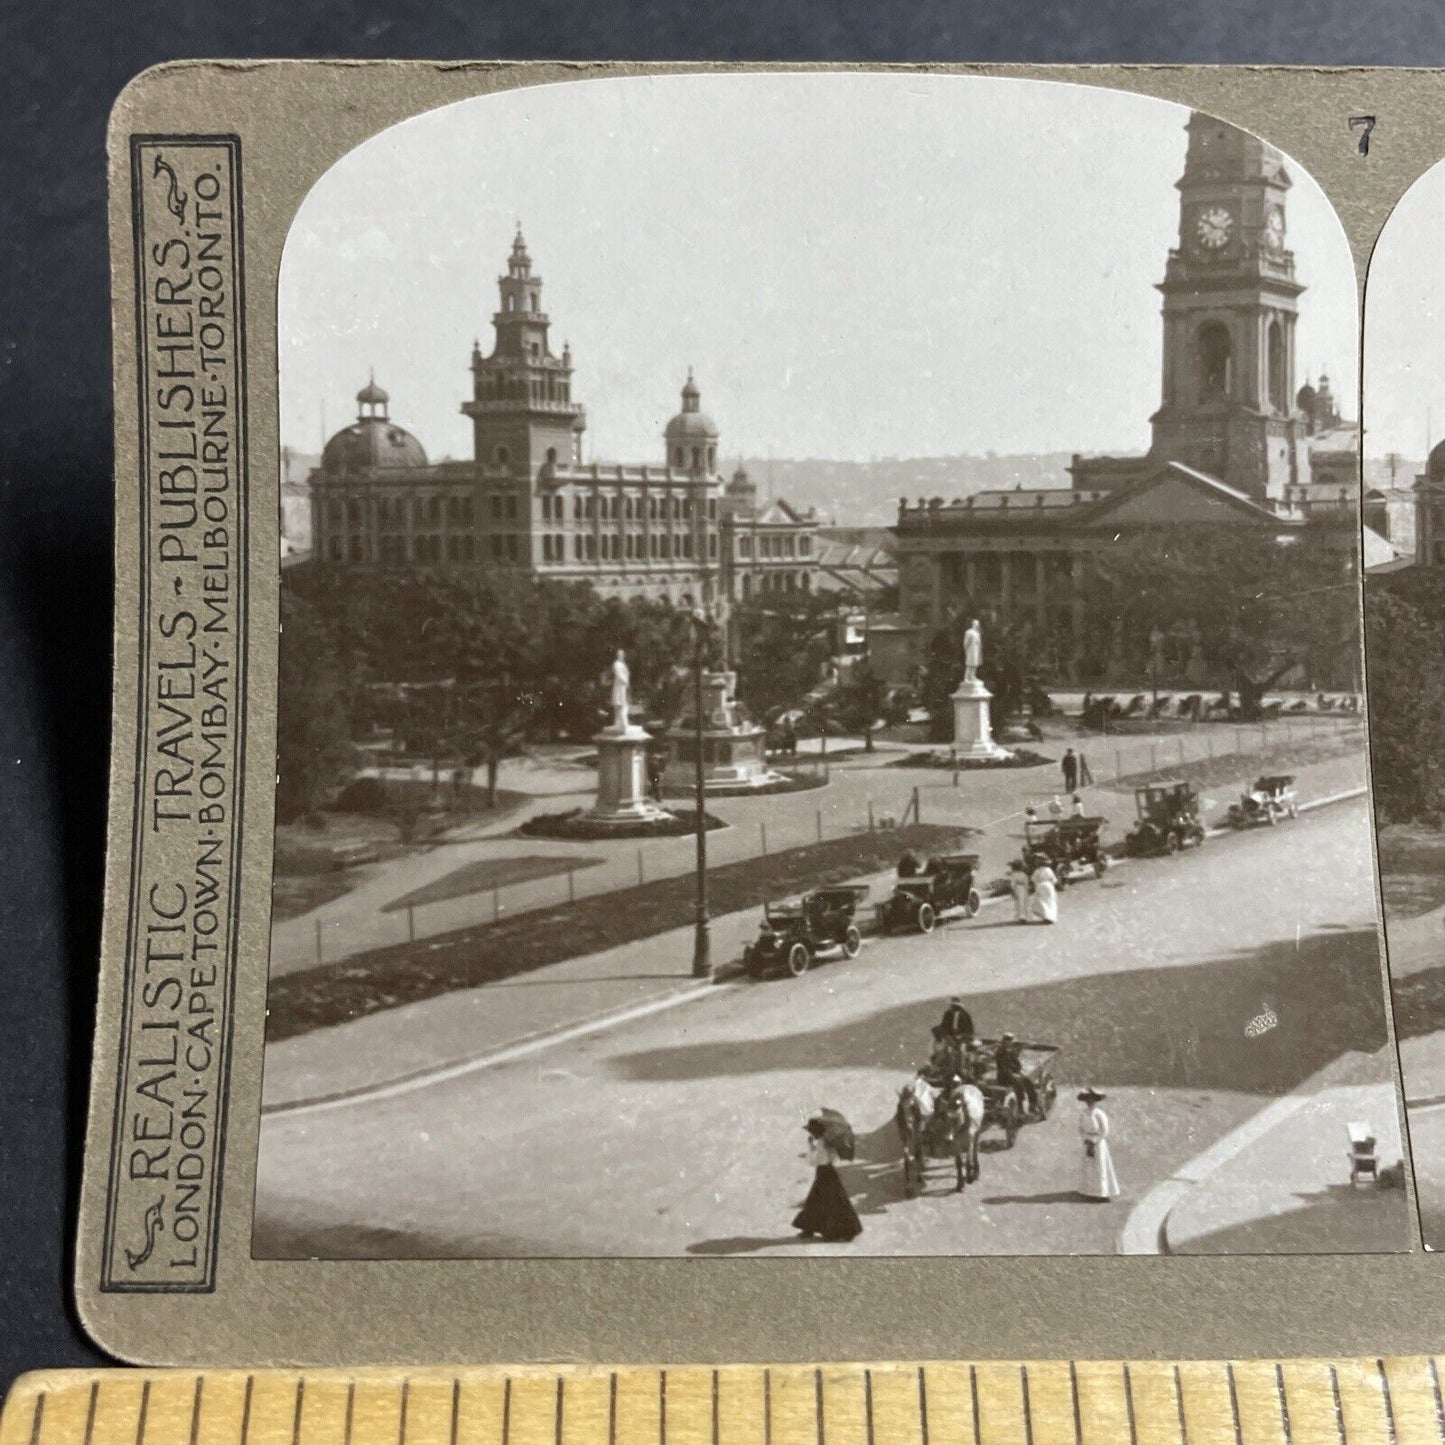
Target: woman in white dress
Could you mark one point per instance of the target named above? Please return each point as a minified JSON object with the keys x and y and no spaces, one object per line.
{"x":1097,"y":1179}
{"x":1046,"y":893}
{"x":1018,"y":885}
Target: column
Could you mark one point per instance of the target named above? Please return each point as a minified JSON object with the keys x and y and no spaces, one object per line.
{"x":1041,"y":591}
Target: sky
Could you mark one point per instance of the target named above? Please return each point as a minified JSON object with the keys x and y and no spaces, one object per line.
{"x":856,"y":266}
{"x":1405,"y":325}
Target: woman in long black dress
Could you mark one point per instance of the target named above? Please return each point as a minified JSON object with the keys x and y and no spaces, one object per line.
{"x":827,"y":1211}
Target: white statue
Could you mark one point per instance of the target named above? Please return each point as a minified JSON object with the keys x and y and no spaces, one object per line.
{"x":618,"y":678}
{"x":972,"y":651}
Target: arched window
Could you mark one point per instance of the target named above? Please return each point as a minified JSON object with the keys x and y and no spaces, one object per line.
{"x":697,"y":456}
{"x":677,"y":457}
{"x":712,"y":457}
{"x":1216,"y":361}
{"x":1278,"y":387}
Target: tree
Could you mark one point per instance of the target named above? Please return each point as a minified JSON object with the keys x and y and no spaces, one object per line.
{"x":784,"y":643}
{"x":1261,"y":603}
{"x":1406,"y":666}
{"x":313,"y":730}
{"x":860,"y":701}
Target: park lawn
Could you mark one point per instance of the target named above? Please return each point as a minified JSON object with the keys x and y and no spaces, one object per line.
{"x":314,"y":865}
{"x":387,"y":978}
{"x":488,"y":873}
{"x":1229,"y":768}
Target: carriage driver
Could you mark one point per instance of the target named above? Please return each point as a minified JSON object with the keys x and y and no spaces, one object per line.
{"x":1008,"y":1061}
{"x":957,"y":1023}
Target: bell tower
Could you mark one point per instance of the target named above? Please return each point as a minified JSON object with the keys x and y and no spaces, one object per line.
{"x":522,"y":411}
{"x":1229,"y":311}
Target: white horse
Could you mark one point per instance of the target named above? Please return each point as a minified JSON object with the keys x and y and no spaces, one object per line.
{"x":939,"y":1121}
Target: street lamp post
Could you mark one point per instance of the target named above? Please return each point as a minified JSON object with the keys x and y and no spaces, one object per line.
{"x":701,"y":940}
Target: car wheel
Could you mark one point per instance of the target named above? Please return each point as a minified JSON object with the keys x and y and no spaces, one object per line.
{"x":925,"y":918}
{"x":799,"y":959}
{"x":852,"y":941}
{"x":972,"y":903}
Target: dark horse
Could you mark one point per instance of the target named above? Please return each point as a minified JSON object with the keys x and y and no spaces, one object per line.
{"x":938,"y":1121}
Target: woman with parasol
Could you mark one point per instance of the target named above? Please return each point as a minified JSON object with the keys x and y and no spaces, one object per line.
{"x":827,"y":1211}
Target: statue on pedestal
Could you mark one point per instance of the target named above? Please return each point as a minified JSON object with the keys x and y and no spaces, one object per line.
{"x":618,"y":679}
{"x":972,"y":651}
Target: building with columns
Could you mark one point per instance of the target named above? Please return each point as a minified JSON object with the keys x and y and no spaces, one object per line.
{"x":1234,"y":445}
{"x":526,"y":503}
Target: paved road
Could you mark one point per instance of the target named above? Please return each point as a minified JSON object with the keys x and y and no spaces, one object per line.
{"x":680,"y":1133}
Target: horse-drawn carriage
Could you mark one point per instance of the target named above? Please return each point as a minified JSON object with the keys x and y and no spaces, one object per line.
{"x":793,"y":934}
{"x":1271,"y":798}
{"x":1070,"y":846}
{"x":945,"y":884}
{"x":1168,"y":819}
{"x":1004,"y":1105}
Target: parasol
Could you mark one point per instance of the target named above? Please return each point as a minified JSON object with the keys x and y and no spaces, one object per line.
{"x":835,"y":1131}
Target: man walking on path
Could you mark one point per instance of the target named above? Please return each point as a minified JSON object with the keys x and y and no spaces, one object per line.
{"x":1070,"y":766}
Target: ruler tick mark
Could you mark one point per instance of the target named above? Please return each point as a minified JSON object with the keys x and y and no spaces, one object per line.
{"x":1234,"y":1403}
{"x":1279,"y":1389}
{"x":296,"y":1410}
{"x":90,"y":1411}
{"x":612,"y":1410}
{"x":767,"y":1407}
{"x":662,"y":1408}
{"x":716,"y":1430}
{"x":37,"y":1417}
{"x":401,"y":1424}
{"x":195,"y":1434}
{"x":1074,"y":1392}
{"x":818,"y":1403}
{"x":506,"y":1410}
{"x":350,"y":1412}
{"x":1028,"y":1406}
{"x":145,"y":1401}
{"x":1129,"y":1405}
{"x":1179,"y":1405}
{"x":1339,"y":1407}
{"x":922,"y":1406}
{"x":1439,"y":1403}
{"x":973,"y":1391}
{"x":1388,"y":1402}
{"x":868,"y":1403}
{"x":558,"y":1427}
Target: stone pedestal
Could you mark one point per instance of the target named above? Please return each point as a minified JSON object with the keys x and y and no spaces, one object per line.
{"x":732,"y":747}
{"x":622,"y":799}
{"x":972,"y":730}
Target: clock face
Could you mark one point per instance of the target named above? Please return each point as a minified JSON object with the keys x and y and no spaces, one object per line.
{"x":1274,"y":228}
{"x":1212,"y":228}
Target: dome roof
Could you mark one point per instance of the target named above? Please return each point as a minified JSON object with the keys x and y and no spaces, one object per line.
{"x":690,"y":424}
{"x":372,"y":443}
{"x":372,"y":395}
{"x":1435,"y":466}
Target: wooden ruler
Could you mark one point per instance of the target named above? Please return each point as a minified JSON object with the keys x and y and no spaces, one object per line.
{"x":1394,"y":1401}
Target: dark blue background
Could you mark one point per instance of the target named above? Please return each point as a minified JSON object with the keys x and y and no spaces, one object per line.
{"x":62,"y":66}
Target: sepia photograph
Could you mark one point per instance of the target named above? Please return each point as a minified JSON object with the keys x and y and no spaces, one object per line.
{"x":1404,"y":502}
{"x":820,"y":699}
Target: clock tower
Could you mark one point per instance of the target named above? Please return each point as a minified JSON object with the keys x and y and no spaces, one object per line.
{"x":1230,"y":306}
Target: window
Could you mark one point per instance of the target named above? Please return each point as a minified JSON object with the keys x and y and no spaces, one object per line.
{"x":591,"y":549}
{"x":697,"y":456}
{"x":511,"y":546}
{"x":745,"y":546}
{"x":552,"y":455}
{"x":333,"y":512}
{"x":712,"y":546}
{"x":807,"y":580}
{"x":677,"y":457}
{"x":1215,"y":362}
{"x":353,"y":513}
{"x":687,"y":546}
{"x":496,"y":508}
{"x":512,"y":509}
{"x":546,"y":549}
{"x":1278,"y":398}
{"x":711,"y":457}
{"x":805,"y":546}
{"x":503,"y":456}
{"x":577,"y":507}
{"x":712,"y":510}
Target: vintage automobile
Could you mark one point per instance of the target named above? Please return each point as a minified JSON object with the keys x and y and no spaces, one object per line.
{"x":793,"y":934}
{"x":1070,"y":846}
{"x":1168,"y":819}
{"x":1271,"y":798}
{"x":944,"y":884}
